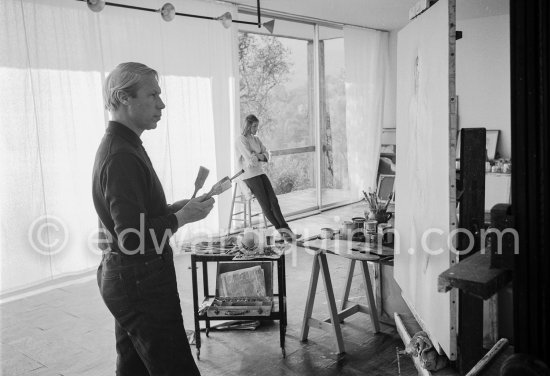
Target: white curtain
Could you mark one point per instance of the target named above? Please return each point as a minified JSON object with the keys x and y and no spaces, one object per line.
{"x":366,"y":53}
{"x":54,"y":57}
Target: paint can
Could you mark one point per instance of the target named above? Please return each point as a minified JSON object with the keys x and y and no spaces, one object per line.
{"x":358,"y":223}
{"x":371,"y":238}
{"x":386,"y":232}
{"x":370,"y":226}
{"x":346,"y":230}
{"x":382,"y":227}
{"x":327,"y":233}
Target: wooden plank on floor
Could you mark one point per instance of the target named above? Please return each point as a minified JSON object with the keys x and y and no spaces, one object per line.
{"x":406,"y":337}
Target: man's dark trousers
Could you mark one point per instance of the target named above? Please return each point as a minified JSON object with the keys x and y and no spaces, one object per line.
{"x":141,"y":293}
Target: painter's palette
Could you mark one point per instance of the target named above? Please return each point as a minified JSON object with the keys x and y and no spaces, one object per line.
{"x":270,"y":251}
{"x":224,"y":245}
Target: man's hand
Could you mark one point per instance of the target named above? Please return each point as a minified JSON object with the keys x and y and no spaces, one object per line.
{"x":178,"y":205}
{"x":195,"y":210}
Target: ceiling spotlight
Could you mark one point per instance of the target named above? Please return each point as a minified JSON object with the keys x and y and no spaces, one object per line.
{"x":269,"y":25}
{"x":96,"y":5}
{"x":168,"y":12}
{"x":226,"y":19}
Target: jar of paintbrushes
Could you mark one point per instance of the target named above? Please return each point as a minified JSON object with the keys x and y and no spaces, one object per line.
{"x":376,"y":208}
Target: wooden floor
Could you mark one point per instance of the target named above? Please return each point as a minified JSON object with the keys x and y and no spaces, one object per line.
{"x":68,"y":331}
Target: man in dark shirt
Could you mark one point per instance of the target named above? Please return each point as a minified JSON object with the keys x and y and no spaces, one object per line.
{"x":136,"y":278}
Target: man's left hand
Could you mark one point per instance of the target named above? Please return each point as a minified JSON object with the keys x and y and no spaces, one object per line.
{"x":178,"y":205}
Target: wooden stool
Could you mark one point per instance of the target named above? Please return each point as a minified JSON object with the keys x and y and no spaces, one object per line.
{"x":246,"y":211}
{"x":332,"y":324}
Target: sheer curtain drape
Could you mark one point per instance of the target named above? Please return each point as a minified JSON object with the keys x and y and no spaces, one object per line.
{"x":54,"y":57}
{"x":366,"y":53}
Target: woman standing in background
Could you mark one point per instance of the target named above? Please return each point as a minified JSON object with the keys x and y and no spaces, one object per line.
{"x":253,"y":154}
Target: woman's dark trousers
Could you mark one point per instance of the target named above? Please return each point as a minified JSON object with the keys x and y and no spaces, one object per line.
{"x":262,"y":189}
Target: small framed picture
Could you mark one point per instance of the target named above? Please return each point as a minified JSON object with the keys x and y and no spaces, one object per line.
{"x":491,"y":143}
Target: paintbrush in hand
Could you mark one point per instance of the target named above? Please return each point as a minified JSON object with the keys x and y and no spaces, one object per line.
{"x":236,"y":175}
{"x":221,"y":186}
{"x":201,"y":178}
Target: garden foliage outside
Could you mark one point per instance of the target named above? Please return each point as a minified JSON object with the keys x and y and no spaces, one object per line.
{"x":266,"y":66}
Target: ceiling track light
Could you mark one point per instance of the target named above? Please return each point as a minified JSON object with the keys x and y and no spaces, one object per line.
{"x":168,"y":13}
{"x":226,"y":19}
{"x":269,"y":25}
{"x":96,"y":5}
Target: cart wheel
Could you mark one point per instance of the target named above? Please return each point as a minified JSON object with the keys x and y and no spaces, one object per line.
{"x":283,"y":351}
{"x":198,"y":354}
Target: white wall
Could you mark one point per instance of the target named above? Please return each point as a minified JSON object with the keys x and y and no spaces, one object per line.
{"x":483,"y":76}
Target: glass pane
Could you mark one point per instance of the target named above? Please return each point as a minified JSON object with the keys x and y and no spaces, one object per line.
{"x":334,"y":164}
{"x":275,"y":86}
{"x":293,"y":181}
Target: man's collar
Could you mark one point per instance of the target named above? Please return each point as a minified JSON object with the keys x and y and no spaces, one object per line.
{"x":123,"y":131}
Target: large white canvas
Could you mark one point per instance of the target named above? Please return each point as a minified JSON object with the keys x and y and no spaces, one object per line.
{"x":423,"y":189}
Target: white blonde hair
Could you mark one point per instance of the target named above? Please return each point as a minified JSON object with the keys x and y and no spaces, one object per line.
{"x":125,"y":78}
